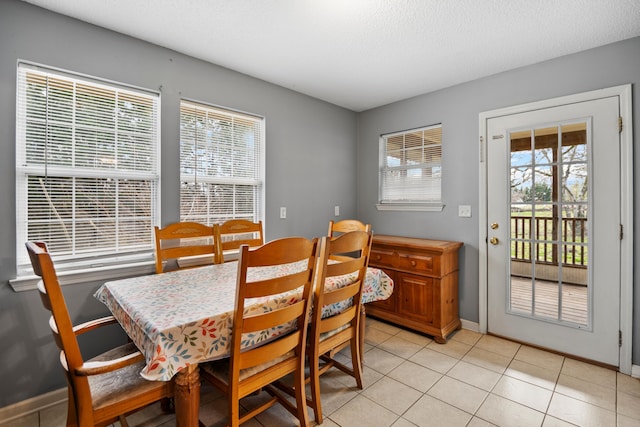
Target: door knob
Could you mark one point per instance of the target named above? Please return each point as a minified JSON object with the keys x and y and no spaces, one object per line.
{"x":494,"y":241}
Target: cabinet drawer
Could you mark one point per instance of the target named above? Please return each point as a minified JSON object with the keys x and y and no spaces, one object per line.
{"x":403,"y":261}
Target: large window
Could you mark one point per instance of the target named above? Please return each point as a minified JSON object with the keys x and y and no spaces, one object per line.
{"x":221,"y":164}
{"x":411,"y":169}
{"x":86,"y":168}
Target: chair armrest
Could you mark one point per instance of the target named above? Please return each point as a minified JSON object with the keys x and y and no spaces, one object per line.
{"x":103,"y":366}
{"x":94,"y":324}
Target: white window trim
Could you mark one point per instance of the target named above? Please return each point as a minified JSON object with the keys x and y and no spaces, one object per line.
{"x":259,"y":182}
{"x":416,"y":207}
{"x":92,"y":274}
{"x":98,"y":268}
{"x":407,"y":206}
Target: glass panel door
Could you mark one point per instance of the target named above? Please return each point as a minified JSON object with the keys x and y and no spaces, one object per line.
{"x":549,"y":214}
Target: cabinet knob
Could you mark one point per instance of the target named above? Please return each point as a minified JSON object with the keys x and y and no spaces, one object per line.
{"x":413,"y":263}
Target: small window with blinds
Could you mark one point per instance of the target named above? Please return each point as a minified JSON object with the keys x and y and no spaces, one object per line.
{"x":221,"y":164}
{"x":86,"y":168}
{"x":411,"y":170}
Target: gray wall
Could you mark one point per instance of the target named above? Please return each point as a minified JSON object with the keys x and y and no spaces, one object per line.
{"x":457,"y":108}
{"x":306,"y":139}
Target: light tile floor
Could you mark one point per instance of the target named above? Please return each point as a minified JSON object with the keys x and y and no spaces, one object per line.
{"x":410,"y":380}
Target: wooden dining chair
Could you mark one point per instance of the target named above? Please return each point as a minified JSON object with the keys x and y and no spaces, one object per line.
{"x":185,"y":244}
{"x":234,"y":233}
{"x":103,"y":389}
{"x":346,"y":225}
{"x":335,"y":322}
{"x":261,"y":366}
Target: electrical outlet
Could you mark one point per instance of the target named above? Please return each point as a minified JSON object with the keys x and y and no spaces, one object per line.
{"x":337,"y":210}
{"x":464,"y":211}
{"x":283,"y":212}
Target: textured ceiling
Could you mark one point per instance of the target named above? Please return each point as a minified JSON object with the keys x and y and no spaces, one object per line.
{"x":361,"y":54}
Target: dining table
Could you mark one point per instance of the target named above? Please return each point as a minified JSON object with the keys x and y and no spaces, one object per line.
{"x":182,"y":318}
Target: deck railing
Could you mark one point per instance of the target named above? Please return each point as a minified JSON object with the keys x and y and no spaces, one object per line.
{"x":573,"y":235}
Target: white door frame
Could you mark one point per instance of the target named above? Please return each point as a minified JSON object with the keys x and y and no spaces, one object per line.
{"x":626,"y":208}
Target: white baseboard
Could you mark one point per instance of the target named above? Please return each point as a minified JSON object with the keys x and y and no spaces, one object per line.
{"x":472,"y":326}
{"x":475,"y":327}
{"x":34,"y":404}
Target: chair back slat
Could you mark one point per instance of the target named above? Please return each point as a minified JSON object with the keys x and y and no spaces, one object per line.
{"x":234,"y":233}
{"x":264,"y":353}
{"x":44,"y":297}
{"x":346,"y":266}
{"x":182,"y":240}
{"x":341,"y":294}
{"x":273,"y":318}
{"x":46,"y":302}
{"x":56,"y":334}
{"x":274,"y":286}
{"x":54,"y":301}
{"x":336,"y":321}
{"x":346,"y":225}
{"x":60,"y":324}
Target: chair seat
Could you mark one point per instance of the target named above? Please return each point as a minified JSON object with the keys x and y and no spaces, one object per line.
{"x":220,"y":368}
{"x":121,"y":385}
{"x":118,"y":386}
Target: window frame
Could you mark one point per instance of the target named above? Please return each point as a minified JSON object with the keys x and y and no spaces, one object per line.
{"x":74,"y":268}
{"x":257,"y":180}
{"x":399,"y":204}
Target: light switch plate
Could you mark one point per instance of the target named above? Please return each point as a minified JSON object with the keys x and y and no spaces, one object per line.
{"x":336,"y":210}
{"x":283,"y":212}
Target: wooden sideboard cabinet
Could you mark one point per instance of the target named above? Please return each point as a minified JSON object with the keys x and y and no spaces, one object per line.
{"x":425,"y":277}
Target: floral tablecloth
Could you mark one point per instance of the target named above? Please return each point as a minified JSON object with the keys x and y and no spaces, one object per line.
{"x":184,"y":317}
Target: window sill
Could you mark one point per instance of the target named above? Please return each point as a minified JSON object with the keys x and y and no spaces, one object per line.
{"x":435,"y":207}
{"x":111,"y":272}
{"x":97,"y":274}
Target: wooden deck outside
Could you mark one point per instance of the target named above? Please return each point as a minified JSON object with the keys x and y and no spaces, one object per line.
{"x":574,"y":299}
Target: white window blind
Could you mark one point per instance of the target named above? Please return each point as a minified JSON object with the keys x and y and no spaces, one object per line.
{"x":86,"y":168}
{"x":221,"y":164}
{"x":411,"y":167}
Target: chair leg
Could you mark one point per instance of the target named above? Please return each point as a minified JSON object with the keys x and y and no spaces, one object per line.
{"x":72,"y":416}
{"x":234,"y":411}
{"x":314,"y":379}
{"x":301,"y":399}
{"x":356,"y":360}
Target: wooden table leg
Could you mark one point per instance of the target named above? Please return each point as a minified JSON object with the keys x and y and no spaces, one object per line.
{"x":187,"y":396}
